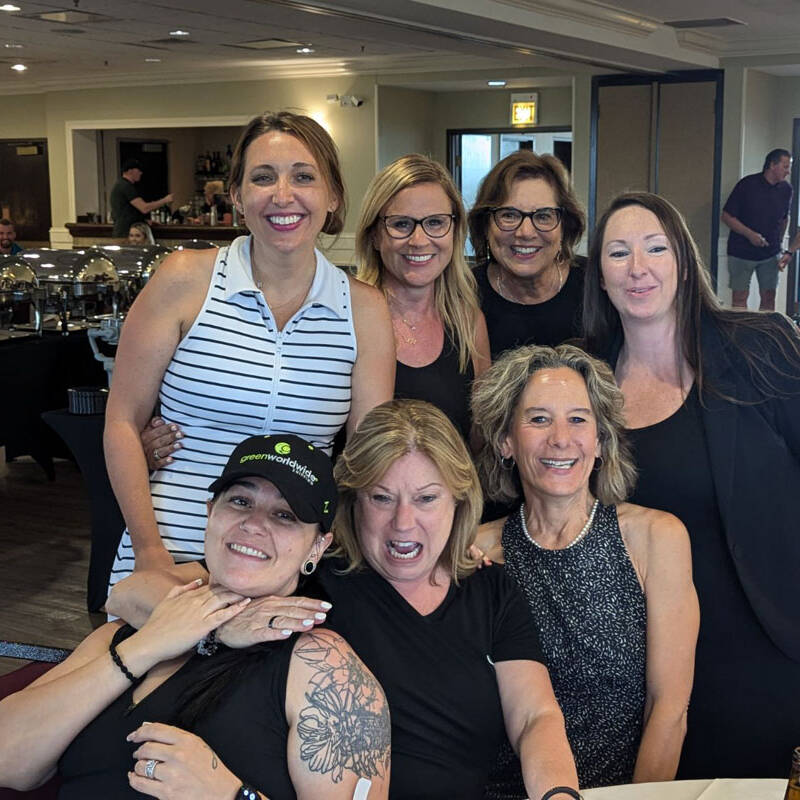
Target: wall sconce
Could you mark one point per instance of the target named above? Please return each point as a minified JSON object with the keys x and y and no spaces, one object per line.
{"x":525,"y":109}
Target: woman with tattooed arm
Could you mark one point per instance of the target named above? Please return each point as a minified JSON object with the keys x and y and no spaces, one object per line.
{"x":454,"y":649}
{"x":295,"y":716}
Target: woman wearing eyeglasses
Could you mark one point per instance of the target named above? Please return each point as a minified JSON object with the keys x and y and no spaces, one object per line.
{"x":524,"y":225}
{"x":410,"y":243}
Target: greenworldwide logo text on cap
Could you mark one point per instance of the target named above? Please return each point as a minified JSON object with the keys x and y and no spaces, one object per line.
{"x":283,"y":448}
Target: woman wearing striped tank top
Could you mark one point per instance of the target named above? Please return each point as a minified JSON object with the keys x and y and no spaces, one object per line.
{"x":264,"y":336}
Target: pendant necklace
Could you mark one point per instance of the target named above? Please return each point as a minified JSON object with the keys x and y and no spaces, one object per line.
{"x":502,"y":291}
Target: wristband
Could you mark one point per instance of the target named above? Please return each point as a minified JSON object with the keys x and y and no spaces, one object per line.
{"x":118,"y":661}
{"x":246,"y":793}
{"x":554,"y":791}
{"x":787,"y":253}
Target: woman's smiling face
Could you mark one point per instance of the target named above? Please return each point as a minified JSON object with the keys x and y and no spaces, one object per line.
{"x":284,"y":194}
{"x":638,"y":265}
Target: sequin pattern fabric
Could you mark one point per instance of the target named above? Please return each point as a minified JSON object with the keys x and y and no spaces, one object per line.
{"x":591,"y":615}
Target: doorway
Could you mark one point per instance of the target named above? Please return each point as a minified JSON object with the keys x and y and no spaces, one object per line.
{"x":25,"y":188}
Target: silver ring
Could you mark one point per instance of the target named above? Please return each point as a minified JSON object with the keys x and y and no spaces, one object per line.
{"x":156,"y":456}
{"x":150,"y":769}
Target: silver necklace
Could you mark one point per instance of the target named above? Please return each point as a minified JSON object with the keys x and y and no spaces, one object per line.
{"x":584,"y":530}
{"x":502,"y":291}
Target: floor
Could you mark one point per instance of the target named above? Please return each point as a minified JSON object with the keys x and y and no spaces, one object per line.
{"x":44,"y":557}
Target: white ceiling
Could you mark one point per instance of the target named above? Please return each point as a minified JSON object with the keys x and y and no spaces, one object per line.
{"x":398,"y":41}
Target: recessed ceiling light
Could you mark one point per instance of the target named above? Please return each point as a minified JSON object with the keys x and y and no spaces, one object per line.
{"x":14,"y":46}
{"x":9,"y":7}
{"x":305,"y":50}
{"x":153,"y":60}
{"x":19,"y":67}
{"x":179,"y":32}
{"x":496,"y":83}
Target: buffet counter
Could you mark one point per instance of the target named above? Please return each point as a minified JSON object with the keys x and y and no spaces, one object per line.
{"x":85,"y":234}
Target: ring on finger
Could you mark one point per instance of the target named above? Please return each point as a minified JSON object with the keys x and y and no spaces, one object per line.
{"x":156,"y":456}
{"x":150,"y":769}
{"x":271,"y":620}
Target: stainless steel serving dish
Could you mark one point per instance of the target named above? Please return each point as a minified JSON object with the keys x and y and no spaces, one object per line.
{"x":94,"y":273}
{"x":16,"y":277}
{"x":151,"y":260}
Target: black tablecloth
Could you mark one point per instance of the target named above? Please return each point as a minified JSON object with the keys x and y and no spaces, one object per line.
{"x":83,"y":433}
{"x":35,"y":374}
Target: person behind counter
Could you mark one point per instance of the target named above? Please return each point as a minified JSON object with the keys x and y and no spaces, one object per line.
{"x":454,"y":649}
{"x":127,"y":205}
{"x":214,"y":196}
{"x":410,"y":243}
{"x":265,"y":335}
{"x":8,"y":236}
{"x":524,"y":225}
{"x":712,"y":404}
{"x":167,"y":712}
{"x":609,"y":583}
{"x":140,"y":234}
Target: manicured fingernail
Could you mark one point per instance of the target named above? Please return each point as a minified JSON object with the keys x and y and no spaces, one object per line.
{"x":245,"y":600}
{"x":320,"y":615}
{"x":308,"y":622}
{"x":177,"y":446}
{"x":173,"y":427}
{"x":168,"y":460}
{"x":198,"y":581}
{"x":179,"y":435}
{"x":286,"y":632}
{"x":326,"y":605}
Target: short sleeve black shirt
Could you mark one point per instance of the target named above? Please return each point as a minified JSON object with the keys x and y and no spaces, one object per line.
{"x":762,"y":206}
{"x":122,"y":211}
{"x":437,"y":672}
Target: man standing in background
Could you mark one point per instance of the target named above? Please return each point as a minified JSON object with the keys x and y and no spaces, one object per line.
{"x":127,"y":205}
{"x":8,"y":235}
{"x":757,"y":212}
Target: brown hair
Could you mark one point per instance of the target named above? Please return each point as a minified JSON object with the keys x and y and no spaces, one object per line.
{"x":497,"y":393}
{"x":314,"y":137}
{"x":387,"y":433}
{"x":496,"y":187}
{"x":455,"y":290}
{"x":694,"y":298}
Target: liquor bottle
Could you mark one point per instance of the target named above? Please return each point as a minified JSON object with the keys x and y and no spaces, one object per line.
{"x":793,"y":787}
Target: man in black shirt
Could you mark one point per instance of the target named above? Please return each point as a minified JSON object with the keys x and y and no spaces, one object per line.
{"x":127,"y":205}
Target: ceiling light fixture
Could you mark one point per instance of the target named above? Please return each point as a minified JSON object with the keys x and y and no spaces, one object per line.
{"x":179,"y":32}
{"x":19,"y":67}
{"x":153,"y":60}
{"x":495,"y":83}
{"x":11,"y":45}
{"x":305,"y":50}
{"x":9,"y":7}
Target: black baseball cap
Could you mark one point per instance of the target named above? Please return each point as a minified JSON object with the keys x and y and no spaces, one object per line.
{"x":131,"y":163}
{"x":302,"y":473}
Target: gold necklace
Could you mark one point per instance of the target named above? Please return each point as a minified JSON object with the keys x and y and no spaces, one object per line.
{"x":502,"y":291}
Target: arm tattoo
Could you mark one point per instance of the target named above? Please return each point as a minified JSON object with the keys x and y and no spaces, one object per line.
{"x":345,"y":725}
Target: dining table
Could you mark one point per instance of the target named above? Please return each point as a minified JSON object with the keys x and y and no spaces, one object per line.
{"x":716,"y":789}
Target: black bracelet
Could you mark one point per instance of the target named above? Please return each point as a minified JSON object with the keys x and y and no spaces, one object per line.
{"x":559,"y":790}
{"x":118,"y":661}
{"x":246,"y":793}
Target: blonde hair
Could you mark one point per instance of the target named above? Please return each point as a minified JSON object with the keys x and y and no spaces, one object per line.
{"x":455,"y":290}
{"x":214,"y":187}
{"x":496,"y":395}
{"x":386,"y":434}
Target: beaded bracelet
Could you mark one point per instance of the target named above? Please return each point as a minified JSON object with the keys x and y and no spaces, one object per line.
{"x":208,"y":645}
{"x":112,"y":648}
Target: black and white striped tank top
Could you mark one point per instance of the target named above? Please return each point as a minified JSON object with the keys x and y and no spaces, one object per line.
{"x":236,"y":375}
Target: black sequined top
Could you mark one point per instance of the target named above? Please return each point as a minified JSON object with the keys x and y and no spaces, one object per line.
{"x":590,"y":612}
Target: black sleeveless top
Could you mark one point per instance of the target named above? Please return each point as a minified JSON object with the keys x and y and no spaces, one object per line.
{"x":590,"y":612}
{"x":247,"y":728}
{"x":441,"y":383}
{"x":515,"y":324}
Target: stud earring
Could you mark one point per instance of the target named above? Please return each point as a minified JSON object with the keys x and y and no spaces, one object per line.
{"x":308,"y":567}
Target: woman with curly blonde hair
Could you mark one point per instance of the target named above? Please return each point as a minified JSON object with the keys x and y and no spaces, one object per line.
{"x":609,"y":583}
{"x":410,"y":243}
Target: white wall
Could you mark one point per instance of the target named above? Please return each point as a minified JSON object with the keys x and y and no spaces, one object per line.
{"x":87,"y":183}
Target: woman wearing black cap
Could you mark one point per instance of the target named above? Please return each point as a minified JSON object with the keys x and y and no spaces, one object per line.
{"x":297,"y":716}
